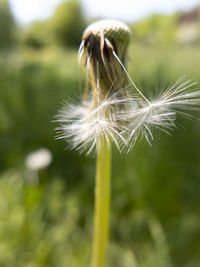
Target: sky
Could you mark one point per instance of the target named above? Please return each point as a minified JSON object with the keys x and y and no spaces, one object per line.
{"x":27,"y":11}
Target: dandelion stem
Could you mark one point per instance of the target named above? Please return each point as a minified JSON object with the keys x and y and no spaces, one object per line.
{"x":102,"y":203}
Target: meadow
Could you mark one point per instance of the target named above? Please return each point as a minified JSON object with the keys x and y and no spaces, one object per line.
{"x":155,"y":209}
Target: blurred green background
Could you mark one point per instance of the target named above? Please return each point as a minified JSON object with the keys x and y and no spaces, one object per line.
{"x":46,"y":216}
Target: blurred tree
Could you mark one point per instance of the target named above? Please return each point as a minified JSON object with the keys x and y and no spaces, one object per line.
{"x":156,"y":29}
{"x":37,"y":35}
{"x":68,"y":23}
{"x":7,"y":25}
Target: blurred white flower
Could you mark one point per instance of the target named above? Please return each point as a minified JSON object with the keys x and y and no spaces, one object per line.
{"x":38,"y":159}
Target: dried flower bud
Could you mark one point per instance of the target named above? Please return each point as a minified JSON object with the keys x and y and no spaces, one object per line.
{"x":116,"y":35}
{"x":103,"y":41}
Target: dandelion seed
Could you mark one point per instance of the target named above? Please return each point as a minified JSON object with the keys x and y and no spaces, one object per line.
{"x":161,"y":112}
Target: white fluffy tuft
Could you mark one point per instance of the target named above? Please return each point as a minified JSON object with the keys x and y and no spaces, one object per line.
{"x":161,"y":112}
{"x":124,"y":119}
{"x":84,"y":125}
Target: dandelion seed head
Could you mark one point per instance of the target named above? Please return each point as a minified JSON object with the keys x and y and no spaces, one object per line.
{"x":114,"y":109}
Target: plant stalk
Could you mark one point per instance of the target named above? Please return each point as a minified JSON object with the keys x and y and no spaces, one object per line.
{"x":102,"y":204}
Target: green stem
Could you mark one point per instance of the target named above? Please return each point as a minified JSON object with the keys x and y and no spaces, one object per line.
{"x":102,"y":204}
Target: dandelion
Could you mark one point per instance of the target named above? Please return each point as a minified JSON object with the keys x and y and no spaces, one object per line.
{"x":39,"y":159}
{"x":35,"y":162}
{"x":114,"y":110}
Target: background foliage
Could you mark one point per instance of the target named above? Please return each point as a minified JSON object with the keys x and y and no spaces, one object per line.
{"x":155,"y":190}
{"x":7,"y":26}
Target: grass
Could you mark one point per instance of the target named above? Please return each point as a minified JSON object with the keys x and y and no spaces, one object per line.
{"x":50,"y":224}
